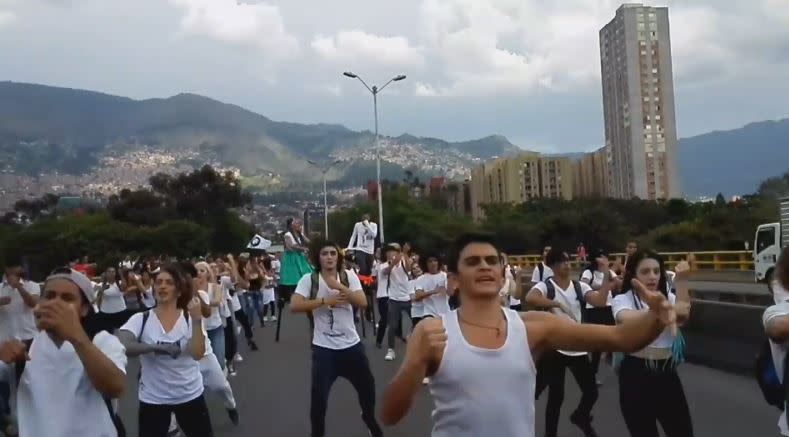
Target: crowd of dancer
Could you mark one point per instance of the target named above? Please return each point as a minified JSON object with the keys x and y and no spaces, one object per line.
{"x":484,"y":360}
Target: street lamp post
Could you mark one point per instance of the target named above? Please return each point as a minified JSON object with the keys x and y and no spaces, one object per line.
{"x":324,"y":170}
{"x":374,"y":91}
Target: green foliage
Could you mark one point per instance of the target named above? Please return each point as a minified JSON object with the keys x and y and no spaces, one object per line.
{"x":598,"y":223}
{"x":183,"y":216}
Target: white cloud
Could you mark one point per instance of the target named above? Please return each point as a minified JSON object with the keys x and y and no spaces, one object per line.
{"x":258,"y":25}
{"x":485,"y":47}
{"x":353,"y":47}
{"x":6,"y":15}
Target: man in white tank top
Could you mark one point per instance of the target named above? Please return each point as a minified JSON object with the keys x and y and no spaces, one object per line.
{"x":486,"y":384}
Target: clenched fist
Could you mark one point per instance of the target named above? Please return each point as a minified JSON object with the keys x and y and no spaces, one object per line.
{"x":430,"y":341}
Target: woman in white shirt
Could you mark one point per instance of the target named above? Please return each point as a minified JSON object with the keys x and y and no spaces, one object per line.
{"x":597,"y":274}
{"x":214,"y":323}
{"x":650,"y":391}
{"x":170,"y":342}
{"x":269,"y":295}
{"x":417,"y":305}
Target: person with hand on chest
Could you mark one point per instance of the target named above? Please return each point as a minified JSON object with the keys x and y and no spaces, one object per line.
{"x":18,"y":297}
{"x":170,"y":342}
{"x":330,"y":294}
{"x":567,"y":298}
{"x":480,"y":357}
{"x":73,"y":370}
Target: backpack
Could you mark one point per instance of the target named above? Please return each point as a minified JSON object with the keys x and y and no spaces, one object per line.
{"x":551,"y":294}
{"x":314,"y":284}
{"x":775,"y":393}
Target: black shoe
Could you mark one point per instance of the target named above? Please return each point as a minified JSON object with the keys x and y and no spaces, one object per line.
{"x":262,"y":325}
{"x":252,"y":345}
{"x":584,"y":423}
{"x":233,"y":414}
{"x":378,"y":345}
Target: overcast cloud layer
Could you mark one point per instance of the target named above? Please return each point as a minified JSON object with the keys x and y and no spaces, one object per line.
{"x":527,"y":69}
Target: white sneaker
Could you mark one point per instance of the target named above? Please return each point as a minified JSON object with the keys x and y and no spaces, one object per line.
{"x":390,"y":355}
{"x":238,"y":358}
{"x":273,"y":318}
{"x":426,"y":381}
{"x":267,"y":319}
{"x":238,"y":330}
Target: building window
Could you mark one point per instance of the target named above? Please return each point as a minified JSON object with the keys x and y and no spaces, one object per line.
{"x":653,"y":34}
{"x":654,"y":71}
{"x":653,"y":26}
{"x":640,"y":26}
{"x":640,"y":17}
{"x":652,"y":16}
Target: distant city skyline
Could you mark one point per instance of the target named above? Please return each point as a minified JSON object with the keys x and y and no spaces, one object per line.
{"x":527,"y":69}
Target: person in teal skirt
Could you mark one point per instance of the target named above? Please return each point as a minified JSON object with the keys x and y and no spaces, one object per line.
{"x":294,"y":265}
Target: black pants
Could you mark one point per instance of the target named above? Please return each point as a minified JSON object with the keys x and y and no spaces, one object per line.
{"x":518,"y":307}
{"x":351,"y":364}
{"x":599,"y":316}
{"x":651,"y":393}
{"x":365,"y":262}
{"x":241,"y":316}
{"x":192,"y":418}
{"x":551,"y":374}
{"x":231,"y":343}
{"x":416,"y":320}
{"x":270,"y":306}
{"x":396,"y":309}
{"x":383,"y":319}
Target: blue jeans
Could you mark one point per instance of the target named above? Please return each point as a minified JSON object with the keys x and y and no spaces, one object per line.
{"x":254,"y":305}
{"x":217,"y":337}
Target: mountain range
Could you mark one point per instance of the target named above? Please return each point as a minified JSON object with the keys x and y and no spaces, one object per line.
{"x":45,"y":128}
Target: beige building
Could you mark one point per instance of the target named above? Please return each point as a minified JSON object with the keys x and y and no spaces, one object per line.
{"x":638,"y":103}
{"x":591,"y":174}
{"x":519,"y":178}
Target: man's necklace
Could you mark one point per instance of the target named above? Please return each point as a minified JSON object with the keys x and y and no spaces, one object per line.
{"x":496,"y":328}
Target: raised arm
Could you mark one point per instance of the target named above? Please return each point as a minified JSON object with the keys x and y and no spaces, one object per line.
{"x":353,"y":237}
{"x":682,"y":305}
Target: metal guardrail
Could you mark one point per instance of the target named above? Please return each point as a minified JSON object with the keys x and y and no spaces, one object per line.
{"x":718,"y":261}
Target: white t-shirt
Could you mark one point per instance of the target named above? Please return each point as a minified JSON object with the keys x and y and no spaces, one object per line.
{"x":148,"y":298}
{"x":363,"y":237}
{"x":383,"y":280}
{"x":778,"y":352}
{"x":16,"y":318}
{"x":596,"y":282}
{"x":417,"y":306}
{"x":438,"y":304}
{"x":570,"y":300}
{"x":627,"y":301}
{"x":112,"y":300}
{"x":334,"y":327}
{"x":215,"y":319}
{"x":509,"y":280}
{"x":55,"y":397}
{"x":227,"y":285}
{"x":166,"y":380}
{"x":399,"y":288}
{"x":547,"y":273}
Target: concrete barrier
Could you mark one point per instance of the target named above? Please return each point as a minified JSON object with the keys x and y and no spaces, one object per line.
{"x":724,"y":336}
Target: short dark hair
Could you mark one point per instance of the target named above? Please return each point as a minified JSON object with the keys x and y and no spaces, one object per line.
{"x":315,"y":254}
{"x":425,"y":258}
{"x":464,"y":240}
{"x":782,"y":268}
{"x":188,"y":268}
{"x":556,"y":256}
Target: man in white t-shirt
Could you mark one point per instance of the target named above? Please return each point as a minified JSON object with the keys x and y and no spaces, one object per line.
{"x":431,"y":289}
{"x":543,"y":270}
{"x":71,"y":374}
{"x":362,"y":242}
{"x":399,"y":293}
{"x":566,"y":298}
{"x":330,"y":294}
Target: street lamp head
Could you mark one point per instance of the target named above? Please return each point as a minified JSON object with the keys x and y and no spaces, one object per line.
{"x":399,"y":77}
{"x":349,"y":74}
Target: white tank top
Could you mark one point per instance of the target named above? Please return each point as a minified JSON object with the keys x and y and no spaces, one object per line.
{"x":484,"y":392}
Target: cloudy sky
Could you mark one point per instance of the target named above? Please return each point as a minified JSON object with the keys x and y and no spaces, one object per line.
{"x":527,"y":69}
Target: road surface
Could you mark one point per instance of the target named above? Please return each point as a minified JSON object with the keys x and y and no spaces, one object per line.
{"x":272,"y":390}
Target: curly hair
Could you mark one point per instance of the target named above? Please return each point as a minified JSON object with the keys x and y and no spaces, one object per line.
{"x":315,"y":254}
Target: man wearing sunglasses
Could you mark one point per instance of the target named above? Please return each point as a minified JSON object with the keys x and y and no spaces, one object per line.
{"x":72,"y":371}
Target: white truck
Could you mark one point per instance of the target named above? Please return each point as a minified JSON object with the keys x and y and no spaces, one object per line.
{"x":770,"y":239}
